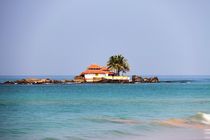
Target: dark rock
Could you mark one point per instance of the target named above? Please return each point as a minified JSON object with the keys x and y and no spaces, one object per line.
{"x":139,"y":79}
{"x":147,"y":80}
{"x":151,"y":80}
{"x":56,"y":81}
{"x":136,"y":78}
{"x":79,"y":79}
{"x":9,"y":82}
{"x":113,"y":81}
{"x":34,"y":81}
{"x":155,"y":80}
{"x":22,"y":81}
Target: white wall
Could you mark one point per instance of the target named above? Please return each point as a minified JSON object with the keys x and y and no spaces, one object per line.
{"x":89,"y":77}
{"x":117,"y":77}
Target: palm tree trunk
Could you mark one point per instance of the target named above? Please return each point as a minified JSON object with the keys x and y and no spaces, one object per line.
{"x":118,"y":72}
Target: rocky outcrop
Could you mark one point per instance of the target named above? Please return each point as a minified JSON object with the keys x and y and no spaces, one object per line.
{"x":136,"y":78}
{"x":79,"y":79}
{"x":151,"y":80}
{"x":113,"y":81}
{"x":139,"y":79}
{"x":68,"y":81}
{"x":155,"y":80}
{"x":9,"y":82}
{"x":37,"y":81}
{"x":34,"y":81}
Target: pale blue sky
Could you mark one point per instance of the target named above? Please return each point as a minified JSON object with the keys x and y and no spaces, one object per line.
{"x":62,"y":37}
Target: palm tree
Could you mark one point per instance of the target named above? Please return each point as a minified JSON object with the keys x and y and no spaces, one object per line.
{"x":118,"y":63}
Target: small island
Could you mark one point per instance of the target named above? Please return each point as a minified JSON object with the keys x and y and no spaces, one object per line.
{"x":114,"y":72}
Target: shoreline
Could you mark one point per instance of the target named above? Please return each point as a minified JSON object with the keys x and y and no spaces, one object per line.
{"x":47,"y":81}
{"x":81,"y":80}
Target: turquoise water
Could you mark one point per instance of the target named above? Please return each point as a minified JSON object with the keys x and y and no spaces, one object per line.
{"x":98,"y":111}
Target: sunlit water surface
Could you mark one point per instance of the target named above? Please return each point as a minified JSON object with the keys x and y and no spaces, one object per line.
{"x":178,"y":110}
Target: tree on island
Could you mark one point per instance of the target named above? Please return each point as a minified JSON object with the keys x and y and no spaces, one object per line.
{"x":118,"y":63}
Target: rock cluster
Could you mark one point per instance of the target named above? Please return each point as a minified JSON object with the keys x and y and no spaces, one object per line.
{"x":139,"y":79}
{"x":79,"y":79}
{"x":37,"y":81}
{"x":113,"y":81}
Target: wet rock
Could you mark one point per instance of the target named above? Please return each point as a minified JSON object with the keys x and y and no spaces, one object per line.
{"x":155,"y":80}
{"x":9,"y":82}
{"x":139,"y":79}
{"x":113,"y":81}
{"x":35,"y":81}
{"x":136,"y":78}
{"x":147,"y":80}
{"x":22,"y":81}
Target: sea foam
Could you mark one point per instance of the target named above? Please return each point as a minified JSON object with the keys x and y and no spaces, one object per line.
{"x":201,"y":117}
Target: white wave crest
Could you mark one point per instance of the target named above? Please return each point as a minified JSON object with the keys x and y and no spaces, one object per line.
{"x":203,"y":118}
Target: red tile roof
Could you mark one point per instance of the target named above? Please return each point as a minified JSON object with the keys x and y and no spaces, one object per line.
{"x":94,"y":72}
{"x":96,"y":69}
{"x":94,"y":66}
{"x":104,"y":69}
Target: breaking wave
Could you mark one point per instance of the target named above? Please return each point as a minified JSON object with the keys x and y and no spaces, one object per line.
{"x":202,"y":118}
{"x":199,"y":120}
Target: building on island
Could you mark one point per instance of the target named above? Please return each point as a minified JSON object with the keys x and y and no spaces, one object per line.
{"x":96,"y":73}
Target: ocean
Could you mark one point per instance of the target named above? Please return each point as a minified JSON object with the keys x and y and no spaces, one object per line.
{"x":168,"y":110}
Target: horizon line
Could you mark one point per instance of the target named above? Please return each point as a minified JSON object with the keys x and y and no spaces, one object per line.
{"x":128,"y":74}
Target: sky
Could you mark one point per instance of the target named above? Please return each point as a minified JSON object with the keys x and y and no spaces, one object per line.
{"x":63,"y":37}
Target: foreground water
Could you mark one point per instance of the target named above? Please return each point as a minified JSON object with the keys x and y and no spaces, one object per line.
{"x":178,"y":110}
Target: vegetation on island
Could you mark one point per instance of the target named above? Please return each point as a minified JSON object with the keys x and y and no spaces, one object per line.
{"x":118,"y":64}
